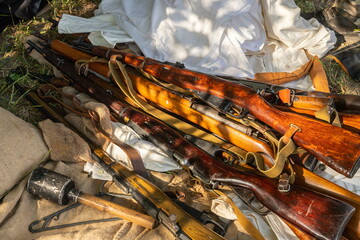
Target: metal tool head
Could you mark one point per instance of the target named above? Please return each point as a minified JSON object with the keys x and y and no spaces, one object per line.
{"x":50,"y":185}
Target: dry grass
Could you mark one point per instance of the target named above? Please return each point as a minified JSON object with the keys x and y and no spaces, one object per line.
{"x":13,"y":54}
{"x":313,"y":5}
{"x":339,"y":81}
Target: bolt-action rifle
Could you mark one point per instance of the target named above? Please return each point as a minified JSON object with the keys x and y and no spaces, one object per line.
{"x":336,"y":147}
{"x":155,"y":202}
{"x":321,"y":216}
{"x":305,"y":178}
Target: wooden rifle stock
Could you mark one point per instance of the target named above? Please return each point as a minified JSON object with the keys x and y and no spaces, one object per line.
{"x":181,"y":107}
{"x":338,"y":148}
{"x":348,"y":121}
{"x":321,"y":216}
{"x":305,"y":178}
{"x":295,"y":206}
{"x":308,"y":179}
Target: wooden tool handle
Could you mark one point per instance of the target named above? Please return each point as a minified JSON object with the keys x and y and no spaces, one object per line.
{"x":117,"y":210}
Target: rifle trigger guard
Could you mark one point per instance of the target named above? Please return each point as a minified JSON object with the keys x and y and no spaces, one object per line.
{"x":242,"y":112}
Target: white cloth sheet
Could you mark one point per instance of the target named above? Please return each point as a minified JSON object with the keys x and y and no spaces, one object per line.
{"x":232,"y":38}
{"x":103,"y":29}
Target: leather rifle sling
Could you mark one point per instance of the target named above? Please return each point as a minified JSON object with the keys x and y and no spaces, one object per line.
{"x":284,"y":150}
{"x":131,"y":152}
{"x":133,"y":155}
{"x":127,"y":88}
{"x":313,"y":67}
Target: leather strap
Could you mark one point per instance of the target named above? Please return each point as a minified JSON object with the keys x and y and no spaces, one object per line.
{"x":313,"y":67}
{"x":126,"y":86}
{"x":131,"y":152}
{"x":326,"y":113}
{"x":285,"y":147}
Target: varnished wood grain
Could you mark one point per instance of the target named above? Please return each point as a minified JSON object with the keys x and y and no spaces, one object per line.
{"x":117,"y":210}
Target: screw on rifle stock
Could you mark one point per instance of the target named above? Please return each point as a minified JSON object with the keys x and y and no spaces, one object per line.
{"x":320,"y":168}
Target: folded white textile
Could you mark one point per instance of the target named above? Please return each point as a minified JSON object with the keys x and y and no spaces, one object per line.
{"x":102,"y":28}
{"x":154,"y":159}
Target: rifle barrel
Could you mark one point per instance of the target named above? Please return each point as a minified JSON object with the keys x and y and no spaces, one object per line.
{"x":301,"y":207}
{"x":337,"y":148}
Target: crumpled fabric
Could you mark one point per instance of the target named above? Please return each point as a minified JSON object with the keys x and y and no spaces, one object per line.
{"x":269,"y":226}
{"x":22,"y":148}
{"x":230,"y":38}
{"x":103,"y":28}
{"x":351,"y":184}
{"x":154,"y":158}
{"x":64,"y":144}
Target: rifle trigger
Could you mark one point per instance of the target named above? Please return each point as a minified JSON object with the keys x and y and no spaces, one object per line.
{"x":236,"y":112}
{"x":284,"y":185}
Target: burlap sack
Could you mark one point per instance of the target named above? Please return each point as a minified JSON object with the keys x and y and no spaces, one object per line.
{"x":22,"y":148}
{"x":30,"y":208}
{"x":64,"y":144}
{"x":19,"y":208}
